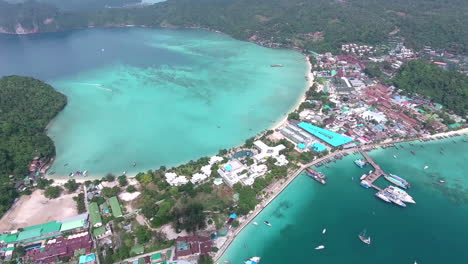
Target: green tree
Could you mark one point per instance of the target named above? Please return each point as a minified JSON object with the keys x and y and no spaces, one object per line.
{"x":53,"y":192}
{"x":123,"y":180}
{"x":131,"y":189}
{"x":205,"y":259}
{"x":143,"y":234}
{"x":71,"y":186}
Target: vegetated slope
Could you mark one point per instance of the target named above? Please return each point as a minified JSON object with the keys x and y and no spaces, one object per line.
{"x":27,"y":105}
{"x":449,"y":88}
{"x":421,"y":22}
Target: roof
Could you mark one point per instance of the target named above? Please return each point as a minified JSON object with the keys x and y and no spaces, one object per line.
{"x":156,"y":256}
{"x":318,"y":147}
{"x":99,"y":231}
{"x":329,"y":137}
{"x":11,"y":238}
{"x":28,"y":234}
{"x":87,"y":258}
{"x":115,"y":206}
{"x":94,"y":213}
{"x":72,"y":225}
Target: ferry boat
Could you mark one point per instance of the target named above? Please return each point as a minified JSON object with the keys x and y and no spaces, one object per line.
{"x":394,"y":199}
{"x":382,"y":197}
{"x":400,"y":194}
{"x":252,"y":260}
{"x":398,"y":181}
{"x":318,"y":176}
{"x":364,"y":237}
{"x":360,"y":163}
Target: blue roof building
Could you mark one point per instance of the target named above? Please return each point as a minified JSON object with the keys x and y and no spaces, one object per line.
{"x":317,"y":147}
{"x":331,"y":138}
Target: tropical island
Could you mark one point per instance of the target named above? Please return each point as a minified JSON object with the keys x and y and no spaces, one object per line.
{"x":375,"y":92}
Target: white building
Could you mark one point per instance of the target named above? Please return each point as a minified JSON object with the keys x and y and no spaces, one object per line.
{"x":233,"y":171}
{"x":377,"y":116}
{"x":281,"y":160}
{"x":215,"y":159}
{"x":198,"y":177}
{"x":175,"y":180}
{"x":206,"y":170}
{"x":266,"y":151}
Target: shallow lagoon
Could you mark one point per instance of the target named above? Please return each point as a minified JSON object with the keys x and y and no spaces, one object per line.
{"x":154,"y":97}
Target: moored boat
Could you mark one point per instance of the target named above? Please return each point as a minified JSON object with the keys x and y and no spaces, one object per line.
{"x":324,"y":231}
{"x":394,"y":199}
{"x":365,"y":184}
{"x":381,"y":196}
{"x":267,"y":223}
{"x":316,"y":175}
{"x":360,"y":163}
{"x":398,"y":181}
{"x":255,"y":223}
{"x":400,"y":194}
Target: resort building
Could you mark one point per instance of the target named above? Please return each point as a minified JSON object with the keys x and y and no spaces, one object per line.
{"x":192,"y":246}
{"x":233,"y":171}
{"x":95,"y":215}
{"x":267,"y":151}
{"x":175,"y":180}
{"x":198,"y":177}
{"x":115,"y":206}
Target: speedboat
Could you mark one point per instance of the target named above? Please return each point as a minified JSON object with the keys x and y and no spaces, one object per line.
{"x":426,"y":167}
{"x":364,"y":237}
{"x":394,"y":156}
{"x":441,"y":181}
{"x":320,"y":247}
{"x":324,"y":231}
{"x":267,"y":223}
{"x":255,"y":223}
{"x":253,"y":260}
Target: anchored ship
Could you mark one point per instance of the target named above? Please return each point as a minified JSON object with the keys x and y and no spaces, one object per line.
{"x":360,"y":163}
{"x":398,"y":181}
{"x":400,"y":194}
{"x":318,"y":176}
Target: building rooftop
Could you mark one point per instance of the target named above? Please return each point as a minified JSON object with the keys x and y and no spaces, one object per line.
{"x":156,"y":256}
{"x":115,"y":206}
{"x":99,"y":231}
{"x":72,"y":225}
{"x":96,"y":219}
{"x":329,"y":137}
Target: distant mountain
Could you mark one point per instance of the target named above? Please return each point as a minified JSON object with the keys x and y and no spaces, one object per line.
{"x":314,"y":24}
{"x":81,"y":4}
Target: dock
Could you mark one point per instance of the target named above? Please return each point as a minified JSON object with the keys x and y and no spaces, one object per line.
{"x":376,"y":173}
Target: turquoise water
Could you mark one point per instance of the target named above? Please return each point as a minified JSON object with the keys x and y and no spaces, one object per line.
{"x":156,"y":97}
{"x":431,"y":231}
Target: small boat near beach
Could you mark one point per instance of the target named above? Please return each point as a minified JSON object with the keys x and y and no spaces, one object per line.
{"x":426,"y":167}
{"x":441,"y":181}
{"x":324,"y":231}
{"x":267,"y":223}
{"x":320,"y":247}
{"x":255,"y":223}
{"x":364,"y":237}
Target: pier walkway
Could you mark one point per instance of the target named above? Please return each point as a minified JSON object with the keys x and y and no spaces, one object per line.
{"x":376,"y":173}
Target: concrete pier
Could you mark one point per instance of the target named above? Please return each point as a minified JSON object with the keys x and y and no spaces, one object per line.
{"x":376,"y":173}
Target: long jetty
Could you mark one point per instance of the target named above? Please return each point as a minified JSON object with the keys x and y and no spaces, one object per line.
{"x":376,"y":173}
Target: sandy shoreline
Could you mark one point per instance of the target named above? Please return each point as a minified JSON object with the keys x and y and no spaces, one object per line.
{"x":309,"y":83}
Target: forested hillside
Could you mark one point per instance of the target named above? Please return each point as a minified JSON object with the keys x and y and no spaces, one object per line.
{"x":449,"y":88}
{"x":27,"y":105}
{"x":289,"y":22}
